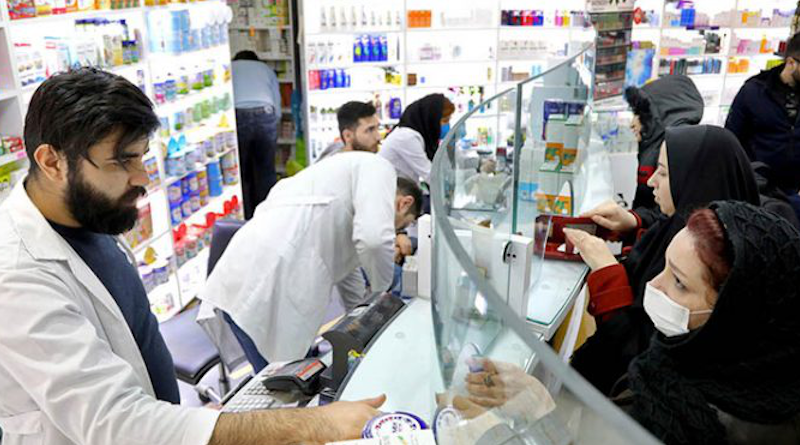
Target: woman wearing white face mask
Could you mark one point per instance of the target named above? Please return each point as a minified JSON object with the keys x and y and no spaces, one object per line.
{"x":722,"y":366}
{"x":697,"y":165}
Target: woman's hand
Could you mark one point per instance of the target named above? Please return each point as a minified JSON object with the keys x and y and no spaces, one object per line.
{"x":593,"y":250}
{"x":612,"y":216}
{"x":509,"y":389}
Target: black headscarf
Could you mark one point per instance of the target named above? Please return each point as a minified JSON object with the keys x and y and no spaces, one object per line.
{"x":706,"y":163}
{"x":425,"y":117}
{"x":670,"y":101}
{"x":743,"y":361}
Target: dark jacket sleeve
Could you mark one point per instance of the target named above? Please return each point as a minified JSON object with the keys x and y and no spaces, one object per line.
{"x":648,"y":216}
{"x":739,"y":120}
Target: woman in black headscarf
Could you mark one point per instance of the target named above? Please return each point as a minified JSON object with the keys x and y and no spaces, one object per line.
{"x":670,"y":101}
{"x":732,"y":376}
{"x":722,"y":367}
{"x":413,"y":142}
{"x":697,"y":165}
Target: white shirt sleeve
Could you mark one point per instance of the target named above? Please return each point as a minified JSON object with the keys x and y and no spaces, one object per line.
{"x":78,"y":383}
{"x":405,"y":149}
{"x":374,"y":187}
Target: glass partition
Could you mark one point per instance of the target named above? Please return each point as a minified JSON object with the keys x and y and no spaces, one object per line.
{"x":497,"y":177}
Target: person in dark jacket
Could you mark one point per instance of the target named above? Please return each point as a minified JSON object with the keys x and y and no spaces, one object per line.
{"x":670,"y":101}
{"x":765,"y":116}
{"x":698,"y":165}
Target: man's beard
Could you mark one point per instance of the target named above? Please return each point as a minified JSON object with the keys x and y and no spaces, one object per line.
{"x":98,"y":213}
{"x":357,"y":146}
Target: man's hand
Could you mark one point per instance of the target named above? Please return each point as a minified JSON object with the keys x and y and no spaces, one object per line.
{"x":610,"y":215}
{"x":402,"y":247}
{"x":593,"y":250}
{"x":331,"y":423}
{"x":346,"y":420}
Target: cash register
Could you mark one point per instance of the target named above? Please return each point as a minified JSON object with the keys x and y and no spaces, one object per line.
{"x":316,"y":380}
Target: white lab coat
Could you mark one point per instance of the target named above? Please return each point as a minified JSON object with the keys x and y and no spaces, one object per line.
{"x":276,"y":275}
{"x":70,"y":369}
{"x":404,"y":148}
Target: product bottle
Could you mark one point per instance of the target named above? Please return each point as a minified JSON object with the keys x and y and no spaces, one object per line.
{"x":378,"y":106}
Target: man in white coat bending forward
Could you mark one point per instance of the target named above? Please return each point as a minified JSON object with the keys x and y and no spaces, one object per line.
{"x":276,"y":275}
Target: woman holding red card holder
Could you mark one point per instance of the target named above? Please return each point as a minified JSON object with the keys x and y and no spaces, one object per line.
{"x":697,"y":165}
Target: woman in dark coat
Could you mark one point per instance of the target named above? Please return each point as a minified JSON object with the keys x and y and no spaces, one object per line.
{"x":697,"y":165}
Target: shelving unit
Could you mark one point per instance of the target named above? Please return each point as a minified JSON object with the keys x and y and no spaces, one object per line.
{"x":208,"y":103}
{"x":267,"y":30}
{"x":462,"y":54}
{"x":720,"y":88}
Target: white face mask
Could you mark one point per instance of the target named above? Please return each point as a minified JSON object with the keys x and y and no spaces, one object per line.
{"x":668,"y":316}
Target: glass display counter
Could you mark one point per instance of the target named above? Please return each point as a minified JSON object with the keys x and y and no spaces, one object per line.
{"x":473,"y":361}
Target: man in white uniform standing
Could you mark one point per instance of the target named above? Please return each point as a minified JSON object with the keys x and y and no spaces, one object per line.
{"x":276,"y":275}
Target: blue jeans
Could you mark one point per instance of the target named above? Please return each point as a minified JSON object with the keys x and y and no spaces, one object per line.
{"x":257,"y":131}
{"x":257,"y":361}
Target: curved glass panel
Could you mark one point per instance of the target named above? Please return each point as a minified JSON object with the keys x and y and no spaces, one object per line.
{"x":524,"y":154}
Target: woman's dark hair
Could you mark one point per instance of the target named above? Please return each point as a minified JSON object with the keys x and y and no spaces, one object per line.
{"x":246,"y":55}
{"x":407,"y":187}
{"x":710,"y":244}
{"x":350,"y":113}
{"x":75,"y":110}
{"x":424,"y":116}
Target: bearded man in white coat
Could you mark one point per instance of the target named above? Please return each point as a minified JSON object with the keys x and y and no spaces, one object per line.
{"x":82,"y":360}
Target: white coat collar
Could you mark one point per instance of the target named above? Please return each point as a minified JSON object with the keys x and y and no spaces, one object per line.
{"x":44,"y":243}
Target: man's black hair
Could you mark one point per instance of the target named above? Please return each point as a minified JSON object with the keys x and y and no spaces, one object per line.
{"x":75,"y":110}
{"x":246,"y":55}
{"x":350,"y":113}
{"x":407,"y":187}
{"x":793,"y":47}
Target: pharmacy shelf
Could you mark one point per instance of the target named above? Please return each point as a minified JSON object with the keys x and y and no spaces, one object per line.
{"x":352,"y":32}
{"x":173,"y":179}
{"x":215,"y":204}
{"x":12,"y":157}
{"x":451,"y":62}
{"x":74,"y":16}
{"x":722,"y":81}
{"x":356,"y":90}
{"x":141,"y":247}
{"x":543,"y":28}
{"x":8,"y":94}
{"x":334,"y":65}
{"x":151,"y":64}
{"x":273,"y":56}
{"x":454,"y":29}
{"x":691,"y":56}
{"x":260,"y":28}
{"x":185,"y":101}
